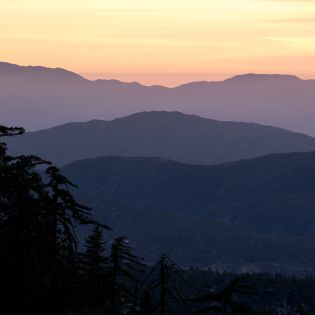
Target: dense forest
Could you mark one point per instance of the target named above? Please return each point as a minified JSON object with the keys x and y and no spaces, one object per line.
{"x":43,"y":270}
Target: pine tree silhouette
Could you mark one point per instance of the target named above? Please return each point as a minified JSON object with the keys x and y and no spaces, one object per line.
{"x":38,"y":215}
{"x":122,"y":266}
{"x":166,"y":274}
{"x":93,"y":262}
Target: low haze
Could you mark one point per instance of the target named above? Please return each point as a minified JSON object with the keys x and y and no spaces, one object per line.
{"x":58,"y":96}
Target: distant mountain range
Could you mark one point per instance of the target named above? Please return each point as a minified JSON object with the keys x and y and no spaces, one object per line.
{"x":38,"y":98}
{"x":253,"y":215}
{"x":172,"y":135}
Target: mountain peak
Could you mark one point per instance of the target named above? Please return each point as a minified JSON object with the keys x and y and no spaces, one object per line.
{"x":164,"y":116}
{"x":170,"y":135}
{"x":263,"y":77}
{"x":36,"y":72}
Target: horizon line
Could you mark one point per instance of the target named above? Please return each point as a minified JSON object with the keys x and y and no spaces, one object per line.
{"x":88,"y":76}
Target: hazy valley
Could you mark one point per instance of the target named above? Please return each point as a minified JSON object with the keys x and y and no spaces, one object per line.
{"x":58,"y":96}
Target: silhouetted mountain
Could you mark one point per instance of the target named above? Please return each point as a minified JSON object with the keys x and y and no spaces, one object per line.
{"x":259,"y":78}
{"x":37,"y":97}
{"x":172,"y":135}
{"x":10,"y":72}
{"x":250,"y":215}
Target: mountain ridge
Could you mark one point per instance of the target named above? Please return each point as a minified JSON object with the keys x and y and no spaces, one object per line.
{"x":278,"y":100}
{"x":255,"y":213}
{"x":9,"y":69}
{"x":18,"y":68}
{"x":173,"y":135}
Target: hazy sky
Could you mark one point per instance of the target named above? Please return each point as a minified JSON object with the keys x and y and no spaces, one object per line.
{"x":161,"y":41}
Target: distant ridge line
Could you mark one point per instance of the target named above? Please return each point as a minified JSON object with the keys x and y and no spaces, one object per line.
{"x":136,"y":83}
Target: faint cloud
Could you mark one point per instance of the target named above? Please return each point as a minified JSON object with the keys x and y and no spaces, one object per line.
{"x":292,"y":20}
{"x":291,"y":39}
{"x":297,"y":1}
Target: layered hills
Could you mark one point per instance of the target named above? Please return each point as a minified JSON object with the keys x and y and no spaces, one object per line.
{"x":38,"y":97}
{"x":171,"y":135}
{"x":251,"y":215}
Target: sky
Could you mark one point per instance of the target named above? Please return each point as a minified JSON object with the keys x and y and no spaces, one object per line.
{"x":165,"y":42}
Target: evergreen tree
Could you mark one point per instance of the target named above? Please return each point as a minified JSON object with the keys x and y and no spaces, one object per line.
{"x":122,"y":268}
{"x":93,"y":258}
{"x":166,"y":275}
{"x":93,"y":263}
{"x":38,"y":216}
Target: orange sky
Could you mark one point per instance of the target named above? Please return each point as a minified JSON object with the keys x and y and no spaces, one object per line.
{"x":161,"y":41}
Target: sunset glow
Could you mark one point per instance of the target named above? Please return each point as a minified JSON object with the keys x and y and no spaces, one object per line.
{"x":166,"y":41}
